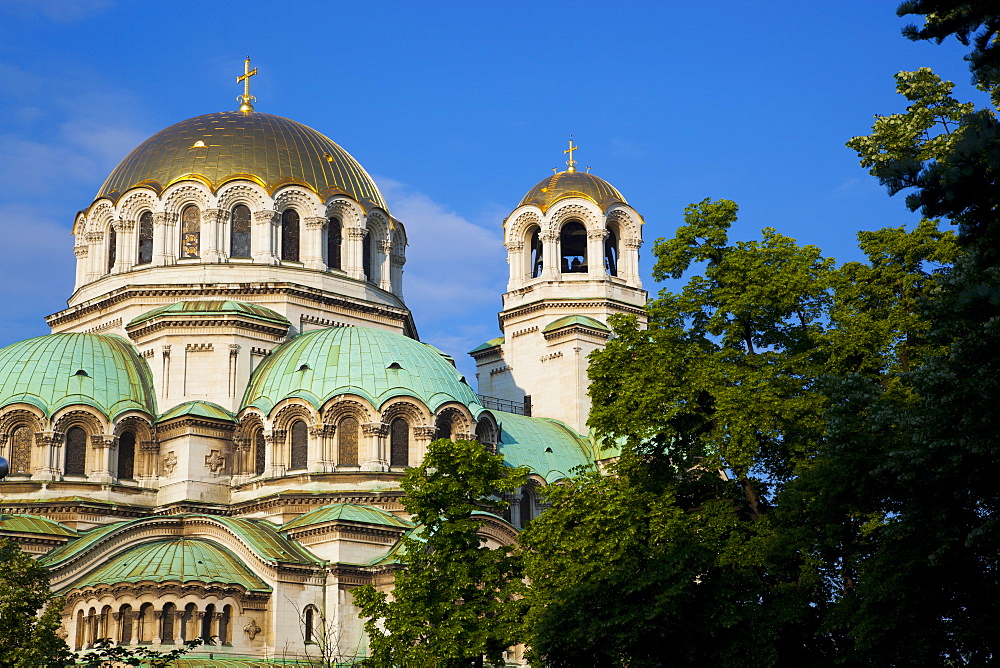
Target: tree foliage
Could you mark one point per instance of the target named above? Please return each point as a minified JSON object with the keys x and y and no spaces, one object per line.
{"x":29,"y":614}
{"x":106,"y":654}
{"x":455,"y":600}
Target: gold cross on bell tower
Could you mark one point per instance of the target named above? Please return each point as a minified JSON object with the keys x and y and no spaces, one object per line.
{"x":571,"y":162}
{"x":246,"y":99}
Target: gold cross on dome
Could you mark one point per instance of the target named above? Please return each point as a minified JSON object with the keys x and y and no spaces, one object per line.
{"x":571,"y":162}
{"x":246,"y":99}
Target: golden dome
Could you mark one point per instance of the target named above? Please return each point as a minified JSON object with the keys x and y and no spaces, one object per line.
{"x":572,"y":183}
{"x":217,"y":148}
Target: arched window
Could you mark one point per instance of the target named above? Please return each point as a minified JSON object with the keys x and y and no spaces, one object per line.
{"x":573,"y":247}
{"x":300,"y":445}
{"x":112,"y":248}
{"x":260,"y":453}
{"x":290,"y":235}
{"x":225,"y":624}
{"x":80,"y":629}
{"x":527,"y":502}
{"x":20,"y":451}
{"x":308,"y":622}
{"x":190,"y":232}
{"x":167,"y":626}
{"x":76,"y":452}
{"x":366,"y":256}
{"x":399,"y":443}
{"x":102,"y":625}
{"x":537,"y":263}
{"x":206,"y":622}
{"x":239,"y":233}
{"x":145,"y":255}
{"x":485,"y":433}
{"x":125,"y":624}
{"x":442,"y":427}
{"x":347,"y":442}
{"x":334,"y":234}
{"x":611,"y":253}
{"x":126,"y":456}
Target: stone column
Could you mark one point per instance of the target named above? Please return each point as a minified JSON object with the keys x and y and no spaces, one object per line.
{"x":103,"y":447}
{"x":628,"y":262}
{"x":595,"y":253}
{"x":48,"y":455}
{"x":263,"y":240}
{"x":550,"y":255}
{"x":352,"y":249}
{"x":157,"y":623}
{"x":95,"y":270}
{"x":321,"y":457}
{"x":422,"y":437}
{"x":179,"y":632}
{"x":165,"y":241}
{"x":515,"y":258}
{"x":311,"y":251}
{"x":127,"y":246}
{"x":396,"y":263}
{"x":374,"y":459}
{"x":150,"y":455}
{"x":277,"y":458}
{"x":211,"y":234}
{"x":80,"y":251}
{"x":382,"y":253}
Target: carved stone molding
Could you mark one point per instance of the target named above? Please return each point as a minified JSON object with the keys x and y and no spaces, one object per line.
{"x":597,"y":234}
{"x":356,"y":233}
{"x":265,"y":217}
{"x":424,"y":431}
{"x":315,"y":223}
{"x":375,"y":428}
{"x":169,"y":463}
{"x":632,"y":244}
{"x":251,"y":629}
{"x":215,"y":462}
{"x":80,"y":251}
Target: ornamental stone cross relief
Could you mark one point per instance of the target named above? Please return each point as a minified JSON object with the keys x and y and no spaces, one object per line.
{"x":215,"y":461}
{"x":169,"y":462}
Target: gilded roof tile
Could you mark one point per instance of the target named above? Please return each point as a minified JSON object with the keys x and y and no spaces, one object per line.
{"x":216,"y":148}
{"x":565,"y":184}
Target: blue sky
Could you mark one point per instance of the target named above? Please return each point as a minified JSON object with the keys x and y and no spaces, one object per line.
{"x":457,"y":109}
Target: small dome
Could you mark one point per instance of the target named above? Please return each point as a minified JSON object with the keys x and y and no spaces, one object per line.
{"x":346,"y":512}
{"x":179,"y":560}
{"x":573,"y":184}
{"x":46,"y":372}
{"x":355,"y":360}
{"x":200,"y":308}
{"x":216,"y":148}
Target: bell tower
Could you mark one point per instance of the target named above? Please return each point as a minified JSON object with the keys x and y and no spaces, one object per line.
{"x":573,"y":250}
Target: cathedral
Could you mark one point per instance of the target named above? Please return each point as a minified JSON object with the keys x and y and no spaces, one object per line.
{"x":211,"y":439}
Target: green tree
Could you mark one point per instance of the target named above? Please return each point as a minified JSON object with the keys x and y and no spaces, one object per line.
{"x":673,"y":558}
{"x":455,"y":600}
{"x":30,"y":616}
{"x":105,"y":654}
{"x":935,"y":561}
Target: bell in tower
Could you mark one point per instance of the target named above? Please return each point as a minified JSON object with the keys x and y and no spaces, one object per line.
{"x":573,"y":250}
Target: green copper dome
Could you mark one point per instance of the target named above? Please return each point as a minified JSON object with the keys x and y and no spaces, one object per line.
{"x":346,"y":512}
{"x":205,"y":308}
{"x":372,"y":363}
{"x":59,"y":370}
{"x":179,"y":560}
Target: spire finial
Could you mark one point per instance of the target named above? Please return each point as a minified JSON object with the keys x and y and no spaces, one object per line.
{"x":246,"y":99}
{"x":571,"y":162}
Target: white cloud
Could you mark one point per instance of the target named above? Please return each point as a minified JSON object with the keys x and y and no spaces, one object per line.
{"x":452,"y":266}
{"x":454,"y":276}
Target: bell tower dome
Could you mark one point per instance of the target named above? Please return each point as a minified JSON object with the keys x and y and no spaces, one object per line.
{"x":573,"y":250}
